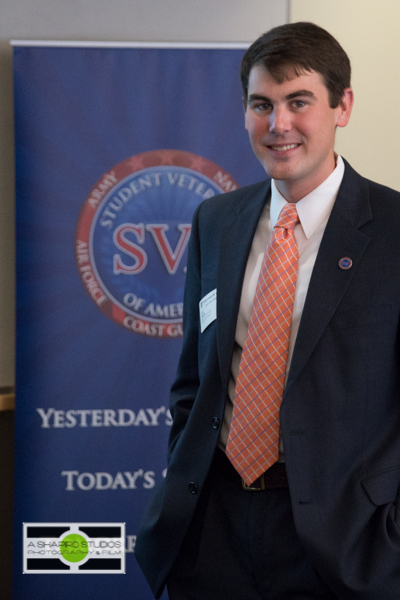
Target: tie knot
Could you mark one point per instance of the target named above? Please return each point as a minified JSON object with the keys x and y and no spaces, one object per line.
{"x":288,"y":217}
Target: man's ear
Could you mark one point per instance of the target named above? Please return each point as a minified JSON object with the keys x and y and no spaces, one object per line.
{"x":344,"y":108}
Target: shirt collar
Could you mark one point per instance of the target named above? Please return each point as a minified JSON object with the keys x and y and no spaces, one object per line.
{"x":315,"y":208}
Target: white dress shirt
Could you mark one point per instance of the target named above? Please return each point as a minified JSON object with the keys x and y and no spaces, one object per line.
{"x":314,"y":211}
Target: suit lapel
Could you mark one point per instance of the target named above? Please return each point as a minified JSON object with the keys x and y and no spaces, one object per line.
{"x":328,"y":284}
{"x":236,"y":238}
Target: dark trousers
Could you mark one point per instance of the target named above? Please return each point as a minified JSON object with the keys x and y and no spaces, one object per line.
{"x":242,"y":545}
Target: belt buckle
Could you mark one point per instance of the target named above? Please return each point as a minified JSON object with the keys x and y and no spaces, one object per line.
{"x":251,"y":488}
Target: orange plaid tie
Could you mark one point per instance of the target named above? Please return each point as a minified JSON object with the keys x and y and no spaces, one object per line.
{"x":253,"y":443}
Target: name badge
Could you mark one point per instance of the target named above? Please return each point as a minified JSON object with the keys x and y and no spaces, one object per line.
{"x":208,"y":309}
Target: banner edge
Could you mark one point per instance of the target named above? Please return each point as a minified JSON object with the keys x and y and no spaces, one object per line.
{"x":100,"y":44}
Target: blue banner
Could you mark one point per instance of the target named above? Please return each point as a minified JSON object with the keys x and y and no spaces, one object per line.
{"x":115,"y":148}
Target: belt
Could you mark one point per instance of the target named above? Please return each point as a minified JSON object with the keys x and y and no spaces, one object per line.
{"x":223,"y":470}
{"x":272,"y":479}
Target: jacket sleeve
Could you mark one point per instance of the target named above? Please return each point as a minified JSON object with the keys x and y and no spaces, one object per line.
{"x":186,"y":384}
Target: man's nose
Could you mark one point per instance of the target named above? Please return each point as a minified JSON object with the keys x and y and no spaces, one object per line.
{"x":280,"y":120}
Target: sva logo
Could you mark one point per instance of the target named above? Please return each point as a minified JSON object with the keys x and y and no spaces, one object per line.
{"x":132,"y":237}
{"x":124,"y":243}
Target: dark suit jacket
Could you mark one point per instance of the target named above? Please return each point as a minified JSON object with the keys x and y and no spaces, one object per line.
{"x":340,"y":415}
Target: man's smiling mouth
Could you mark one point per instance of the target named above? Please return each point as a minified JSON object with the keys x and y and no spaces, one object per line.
{"x":283,"y":148}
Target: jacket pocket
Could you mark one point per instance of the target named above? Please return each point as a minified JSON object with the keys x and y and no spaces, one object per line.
{"x":370,"y":315}
{"x":383,"y":487}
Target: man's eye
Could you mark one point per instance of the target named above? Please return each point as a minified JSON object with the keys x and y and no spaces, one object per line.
{"x":262,"y":107}
{"x":299,"y":103}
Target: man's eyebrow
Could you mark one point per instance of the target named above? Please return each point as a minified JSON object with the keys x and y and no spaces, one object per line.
{"x":258,"y":97}
{"x":297,"y":93}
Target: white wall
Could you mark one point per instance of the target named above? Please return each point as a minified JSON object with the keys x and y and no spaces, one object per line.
{"x":369,"y":32}
{"x":141,"y":20}
{"x":105,"y":20}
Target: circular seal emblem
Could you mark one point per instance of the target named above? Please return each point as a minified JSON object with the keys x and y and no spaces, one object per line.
{"x":132,"y":236}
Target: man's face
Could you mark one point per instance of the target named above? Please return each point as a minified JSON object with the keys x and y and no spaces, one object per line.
{"x":292,"y":129}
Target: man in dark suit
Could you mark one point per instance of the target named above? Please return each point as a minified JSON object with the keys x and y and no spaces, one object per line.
{"x":322,"y":520}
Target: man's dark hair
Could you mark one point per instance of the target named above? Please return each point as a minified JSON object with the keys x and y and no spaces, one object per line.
{"x":291,"y":50}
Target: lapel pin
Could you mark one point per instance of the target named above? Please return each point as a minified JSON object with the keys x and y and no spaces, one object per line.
{"x":345,"y":263}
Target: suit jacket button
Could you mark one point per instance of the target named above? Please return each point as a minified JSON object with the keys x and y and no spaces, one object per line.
{"x":215,"y":423}
{"x":193,"y":488}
